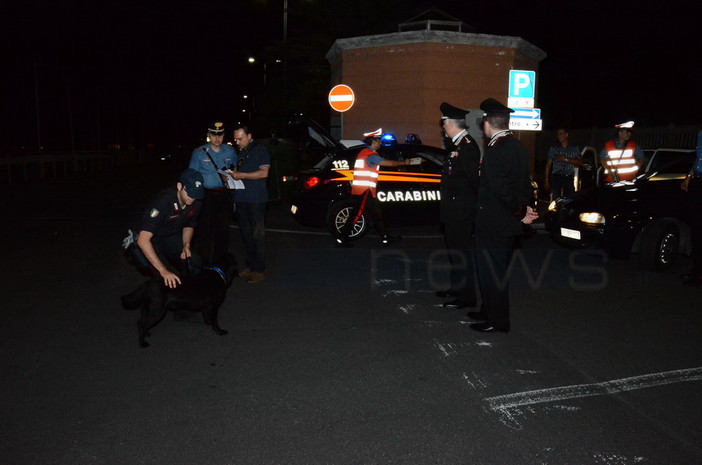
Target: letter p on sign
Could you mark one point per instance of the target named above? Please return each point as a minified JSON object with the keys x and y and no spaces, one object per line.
{"x":522,"y":83}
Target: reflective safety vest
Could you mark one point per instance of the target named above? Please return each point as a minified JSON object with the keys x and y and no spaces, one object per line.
{"x":620,"y":160}
{"x":364,"y":177}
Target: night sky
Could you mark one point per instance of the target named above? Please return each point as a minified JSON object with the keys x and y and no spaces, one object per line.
{"x":155,"y":72}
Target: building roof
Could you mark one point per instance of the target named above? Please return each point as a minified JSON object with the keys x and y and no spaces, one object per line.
{"x":424,"y":36}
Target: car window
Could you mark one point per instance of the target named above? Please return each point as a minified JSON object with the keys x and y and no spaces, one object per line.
{"x":430,"y":160}
{"x":392,"y":152}
{"x":430,"y":163}
{"x":672,"y":162}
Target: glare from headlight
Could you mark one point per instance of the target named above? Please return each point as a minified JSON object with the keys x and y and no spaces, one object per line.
{"x":552,"y":206}
{"x":592,"y":218}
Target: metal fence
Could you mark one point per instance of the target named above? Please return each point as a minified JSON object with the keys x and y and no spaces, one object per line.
{"x":29,"y":167}
{"x":677,"y":137}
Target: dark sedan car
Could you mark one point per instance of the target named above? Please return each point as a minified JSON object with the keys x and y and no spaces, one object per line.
{"x":646,"y":215}
{"x":409,"y":194}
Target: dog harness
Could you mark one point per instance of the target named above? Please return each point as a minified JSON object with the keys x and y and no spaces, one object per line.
{"x":219,"y":272}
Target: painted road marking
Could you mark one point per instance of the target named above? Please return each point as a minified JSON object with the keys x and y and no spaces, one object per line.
{"x":576,"y":391}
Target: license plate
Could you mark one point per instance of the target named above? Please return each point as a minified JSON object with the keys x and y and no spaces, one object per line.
{"x":571,"y":233}
{"x":293,"y":209}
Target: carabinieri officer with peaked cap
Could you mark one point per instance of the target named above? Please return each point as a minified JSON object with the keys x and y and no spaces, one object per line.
{"x":459,"y":193}
{"x":212,"y":235}
{"x":503,"y":197}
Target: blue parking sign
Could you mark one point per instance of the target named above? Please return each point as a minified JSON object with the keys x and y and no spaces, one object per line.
{"x":522,"y":84}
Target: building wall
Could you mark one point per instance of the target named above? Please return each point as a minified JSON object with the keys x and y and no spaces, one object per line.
{"x":399,"y":80}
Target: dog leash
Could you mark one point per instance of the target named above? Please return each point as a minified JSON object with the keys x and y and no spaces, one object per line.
{"x":219,"y":272}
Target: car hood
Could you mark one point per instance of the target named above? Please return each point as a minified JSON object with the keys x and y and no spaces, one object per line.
{"x":607,"y":198}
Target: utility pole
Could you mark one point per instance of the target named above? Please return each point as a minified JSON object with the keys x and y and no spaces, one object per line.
{"x":36,"y":100}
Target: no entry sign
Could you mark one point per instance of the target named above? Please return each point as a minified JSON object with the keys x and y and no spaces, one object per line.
{"x":341,"y":98}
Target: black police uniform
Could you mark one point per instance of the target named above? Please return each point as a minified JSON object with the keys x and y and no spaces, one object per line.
{"x":504,"y":193}
{"x":459,"y":192}
{"x":166,"y":220}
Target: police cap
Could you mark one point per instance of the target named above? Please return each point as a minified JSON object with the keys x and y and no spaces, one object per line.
{"x":193,"y":183}
{"x":216,"y":127}
{"x":492,"y":107}
{"x":629,"y":125}
{"x":448,"y":111}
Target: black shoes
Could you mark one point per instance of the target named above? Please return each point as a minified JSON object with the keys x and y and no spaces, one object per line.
{"x":456,"y":303}
{"x":478,"y":316}
{"x":486,"y":327}
{"x":448,"y":293}
{"x":343,"y":244}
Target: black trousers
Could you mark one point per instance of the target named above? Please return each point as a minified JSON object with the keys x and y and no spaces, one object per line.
{"x":212,"y":232}
{"x":370,"y":206}
{"x":461,"y":255}
{"x":493,"y":256}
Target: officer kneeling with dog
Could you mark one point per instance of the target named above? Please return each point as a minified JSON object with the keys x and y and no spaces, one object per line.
{"x":160,"y":244}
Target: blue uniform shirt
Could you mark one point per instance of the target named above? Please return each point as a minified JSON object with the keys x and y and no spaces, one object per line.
{"x":201,"y":162}
{"x":373,"y":160}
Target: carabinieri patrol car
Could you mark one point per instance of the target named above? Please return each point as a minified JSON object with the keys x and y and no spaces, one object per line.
{"x":409,"y":194}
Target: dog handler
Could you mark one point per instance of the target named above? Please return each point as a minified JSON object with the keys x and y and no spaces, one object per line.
{"x":166,"y":230}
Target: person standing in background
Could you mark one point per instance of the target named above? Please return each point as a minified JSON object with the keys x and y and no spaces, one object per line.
{"x":563,"y":157}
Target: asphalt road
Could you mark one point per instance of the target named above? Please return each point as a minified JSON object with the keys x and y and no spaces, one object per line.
{"x":340,"y":356}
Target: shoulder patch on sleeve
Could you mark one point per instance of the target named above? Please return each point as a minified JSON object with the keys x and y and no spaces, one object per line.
{"x":153,"y":213}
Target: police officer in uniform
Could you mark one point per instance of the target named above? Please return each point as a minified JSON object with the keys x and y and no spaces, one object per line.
{"x":165,"y":232}
{"x":503,"y":197}
{"x":621,"y":158}
{"x":364,"y":189}
{"x":459,"y":193}
{"x":212,"y":236}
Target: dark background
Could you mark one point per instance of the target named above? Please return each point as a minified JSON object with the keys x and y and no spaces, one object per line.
{"x":153,"y":73}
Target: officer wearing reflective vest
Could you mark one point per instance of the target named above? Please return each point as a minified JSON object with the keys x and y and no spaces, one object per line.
{"x":621,"y":158}
{"x":364,"y":189}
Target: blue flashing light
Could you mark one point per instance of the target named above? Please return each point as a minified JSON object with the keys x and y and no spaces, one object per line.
{"x":388,"y":139}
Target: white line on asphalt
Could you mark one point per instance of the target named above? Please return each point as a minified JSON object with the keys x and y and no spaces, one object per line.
{"x":325,"y":233}
{"x":616,"y":386}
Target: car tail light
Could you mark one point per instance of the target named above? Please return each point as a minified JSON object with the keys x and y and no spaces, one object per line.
{"x":311,"y":182}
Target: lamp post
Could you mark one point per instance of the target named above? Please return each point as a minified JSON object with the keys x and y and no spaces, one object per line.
{"x":285,"y":20}
{"x":252,"y":60}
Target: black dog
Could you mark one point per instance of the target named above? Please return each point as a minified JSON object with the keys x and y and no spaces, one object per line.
{"x":203,"y":292}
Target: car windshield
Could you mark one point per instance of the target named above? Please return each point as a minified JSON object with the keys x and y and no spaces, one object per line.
{"x":672,"y":162}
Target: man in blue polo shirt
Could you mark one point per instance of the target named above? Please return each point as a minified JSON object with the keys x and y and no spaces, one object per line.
{"x":252,"y":165}
{"x":212,"y":236}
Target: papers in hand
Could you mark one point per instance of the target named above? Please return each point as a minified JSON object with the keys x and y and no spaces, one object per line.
{"x":231,"y":182}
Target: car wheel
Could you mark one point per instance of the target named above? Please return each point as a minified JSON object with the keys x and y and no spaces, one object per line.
{"x":340,"y":213}
{"x":659,"y":246}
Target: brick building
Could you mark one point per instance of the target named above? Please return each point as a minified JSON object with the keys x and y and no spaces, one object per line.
{"x":400,"y":79}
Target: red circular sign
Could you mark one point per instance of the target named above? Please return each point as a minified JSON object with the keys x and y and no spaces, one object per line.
{"x":341,"y":98}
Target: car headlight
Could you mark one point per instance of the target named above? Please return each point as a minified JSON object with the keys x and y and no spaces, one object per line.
{"x":592,"y":218}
